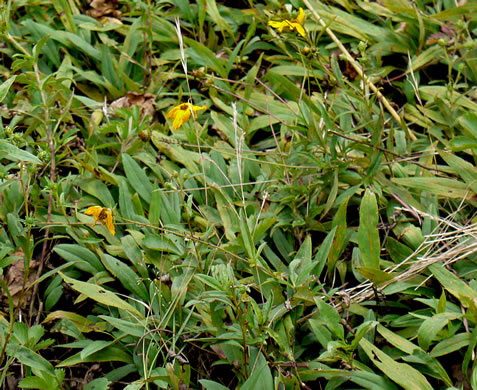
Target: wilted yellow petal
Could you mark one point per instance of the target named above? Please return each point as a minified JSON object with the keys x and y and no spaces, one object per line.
{"x":95,"y":211}
{"x":102,"y":215}
{"x":109,"y":222}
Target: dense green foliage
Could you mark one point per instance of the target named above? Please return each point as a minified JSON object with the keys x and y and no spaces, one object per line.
{"x":310,"y":226}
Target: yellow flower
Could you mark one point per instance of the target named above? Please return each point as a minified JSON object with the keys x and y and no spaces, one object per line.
{"x":294,"y":24}
{"x":182,"y":113}
{"x":102,"y":215}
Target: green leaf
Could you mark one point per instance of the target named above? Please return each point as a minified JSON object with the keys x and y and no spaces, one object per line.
{"x":202,"y":55}
{"x":101,"y":295}
{"x":322,"y":256}
{"x":82,"y":45}
{"x":397,"y":341}
{"x":176,"y":152}
{"x":377,"y":276}
{"x":469,"y":122}
{"x":35,"y":382}
{"x":66,"y":10}
{"x":339,"y":223}
{"x":246,"y":236}
{"x":135,"y":329}
{"x":162,"y":243}
{"x":85,"y":259}
{"x":397,"y":250}
{"x":330,"y":317}
{"x":416,"y":354}
{"x":107,"y":68}
{"x":401,"y":373}
{"x":83,"y":324}
{"x":137,"y":177}
{"x":439,"y":91}
{"x":346,"y":23}
{"x":95,"y":188}
{"x":125,"y":201}
{"x":110,"y":354}
{"x":371,"y":381}
{"x":94,"y":346}
{"x":128,"y":278}
{"x":155,"y":207}
{"x":457,"y":287}
{"x":321,"y":332}
{"x":211,"y":385}
{"x":430,"y":327}
{"x":368,"y":235}
{"x":332,"y":197}
{"x":5,"y":86}
{"x":301,"y":266}
{"x":426,"y":57}
{"x":261,"y":379}
{"x":227,"y":212}
{"x":452,"y":344}
{"x":98,"y":384}
{"x":473,"y":378}
{"x":11,"y":152}
{"x":38,"y":364}
{"x":460,"y":143}
{"x":455,"y":13}
{"x":462,"y":168}
{"x":134,"y":255}
{"x":217,"y":19}
{"x":170,"y":208}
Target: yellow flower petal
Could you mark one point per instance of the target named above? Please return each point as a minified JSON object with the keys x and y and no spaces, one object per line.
{"x":180,"y":118}
{"x":301,"y":16}
{"x":292,"y":25}
{"x":172,"y":112}
{"x":109,"y":223}
{"x":182,"y":113}
{"x":278,"y":25}
{"x":95,"y":211}
{"x":198,"y":108}
{"x":102,"y":215}
{"x":299,"y":29}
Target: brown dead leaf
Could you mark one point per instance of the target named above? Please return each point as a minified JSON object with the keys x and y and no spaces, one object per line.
{"x":346,"y":68}
{"x":15,"y":279}
{"x":100,"y":8}
{"x":12,"y":382}
{"x":459,"y":377}
{"x":146,"y":101}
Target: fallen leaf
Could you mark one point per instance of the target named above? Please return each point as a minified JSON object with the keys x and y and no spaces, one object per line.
{"x":146,"y":101}
{"x":15,"y":279}
{"x":100,"y":8}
